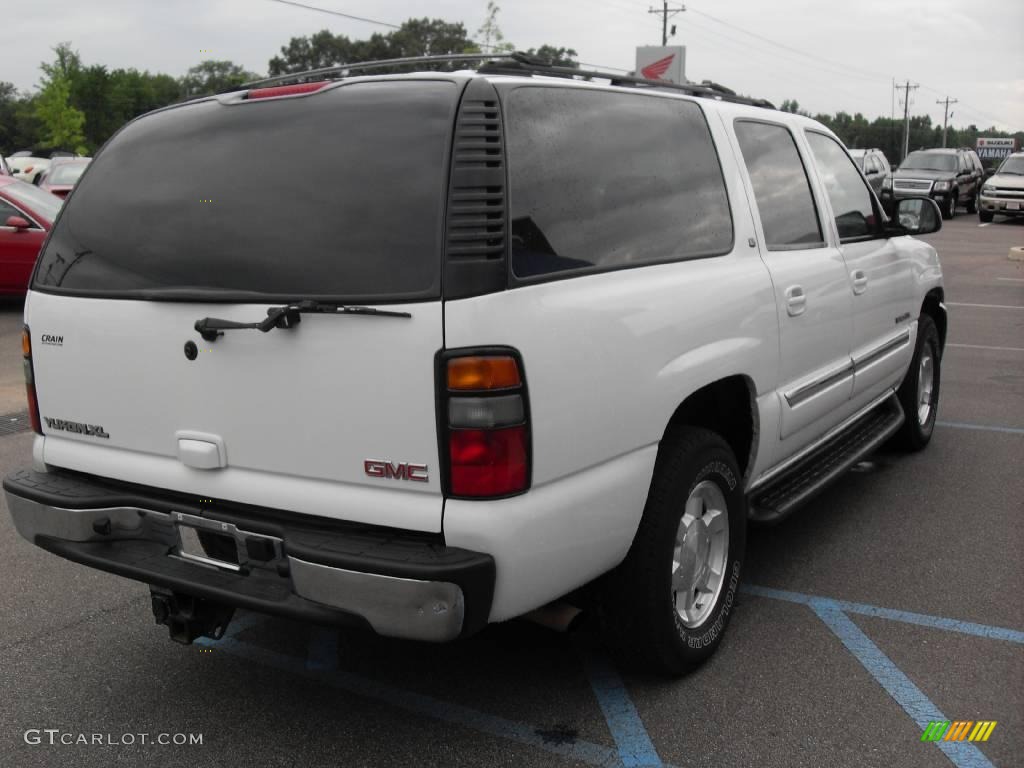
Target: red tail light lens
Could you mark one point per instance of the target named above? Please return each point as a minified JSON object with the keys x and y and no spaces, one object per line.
{"x":488,"y":462}
{"x":484,"y":417}
{"x":30,"y":381}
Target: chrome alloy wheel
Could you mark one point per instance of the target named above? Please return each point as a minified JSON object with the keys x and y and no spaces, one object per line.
{"x":925,"y":385}
{"x":700,"y":554}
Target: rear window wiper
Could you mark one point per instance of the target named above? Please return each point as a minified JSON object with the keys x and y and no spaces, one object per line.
{"x":287,"y":316}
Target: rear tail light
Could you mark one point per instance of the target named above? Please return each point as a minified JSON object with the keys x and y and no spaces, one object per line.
{"x":30,"y":381}
{"x":485,"y":429}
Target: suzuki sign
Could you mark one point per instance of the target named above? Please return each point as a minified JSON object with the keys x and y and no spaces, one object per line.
{"x":657,"y":62}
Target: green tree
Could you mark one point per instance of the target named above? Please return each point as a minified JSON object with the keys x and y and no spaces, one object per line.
{"x":416,"y":37}
{"x":62,"y":123}
{"x":491,"y":38}
{"x":561,"y":57}
{"x":212,"y":76}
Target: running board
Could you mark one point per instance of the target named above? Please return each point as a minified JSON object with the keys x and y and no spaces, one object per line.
{"x":776,"y":500}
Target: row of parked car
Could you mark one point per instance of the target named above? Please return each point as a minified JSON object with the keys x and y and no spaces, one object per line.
{"x":32,"y":190}
{"x":951,"y":177}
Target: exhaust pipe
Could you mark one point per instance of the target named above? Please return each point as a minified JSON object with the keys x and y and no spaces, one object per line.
{"x":559,"y":616}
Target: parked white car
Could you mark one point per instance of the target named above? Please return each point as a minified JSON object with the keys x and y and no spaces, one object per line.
{"x":28,"y":167}
{"x":529,"y":337}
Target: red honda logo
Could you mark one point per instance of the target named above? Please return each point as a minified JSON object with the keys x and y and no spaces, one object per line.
{"x":657,"y":69}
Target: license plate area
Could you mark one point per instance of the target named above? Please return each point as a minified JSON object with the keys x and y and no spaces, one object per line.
{"x":250,"y":549}
{"x":1013,"y":206}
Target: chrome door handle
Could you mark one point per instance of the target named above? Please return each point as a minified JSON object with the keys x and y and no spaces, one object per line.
{"x":796,"y":300}
{"x":860,"y":281}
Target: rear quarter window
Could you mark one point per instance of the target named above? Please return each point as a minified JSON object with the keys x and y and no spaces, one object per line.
{"x":603,"y":181}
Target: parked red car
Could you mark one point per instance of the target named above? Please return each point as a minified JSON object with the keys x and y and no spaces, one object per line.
{"x":63,"y":174}
{"x":26,"y":215}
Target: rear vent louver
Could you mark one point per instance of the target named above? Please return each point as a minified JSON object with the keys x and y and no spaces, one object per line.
{"x":475,"y":239}
{"x":476,"y":213}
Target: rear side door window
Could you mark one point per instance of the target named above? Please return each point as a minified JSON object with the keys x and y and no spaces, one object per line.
{"x":852,"y":203}
{"x":781,"y":187}
{"x":601,"y":180}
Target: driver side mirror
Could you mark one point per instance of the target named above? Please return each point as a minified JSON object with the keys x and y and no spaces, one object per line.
{"x":17,"y":222}
{"x":918,"y":216}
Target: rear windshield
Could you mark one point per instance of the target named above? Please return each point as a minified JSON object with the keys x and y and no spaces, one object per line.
{"x":335,"y":195}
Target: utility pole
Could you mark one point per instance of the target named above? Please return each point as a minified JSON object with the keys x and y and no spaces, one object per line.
{"x":666,"y":13}
{"x":945,"y":116}
{"x":907,"y":88}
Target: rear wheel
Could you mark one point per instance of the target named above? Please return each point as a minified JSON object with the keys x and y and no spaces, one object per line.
{"x":919,"y":392}
{"x":668,"y":604}
{"x":985,"y":216}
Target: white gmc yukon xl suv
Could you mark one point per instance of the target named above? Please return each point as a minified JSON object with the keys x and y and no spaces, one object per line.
{"x":512,"y":337}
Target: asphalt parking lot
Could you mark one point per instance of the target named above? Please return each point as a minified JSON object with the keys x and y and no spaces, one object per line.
{"x":894,"y":598}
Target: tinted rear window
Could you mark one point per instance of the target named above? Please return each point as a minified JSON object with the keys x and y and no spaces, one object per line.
{"x":335,"y":195}
{"x":604,"y":180}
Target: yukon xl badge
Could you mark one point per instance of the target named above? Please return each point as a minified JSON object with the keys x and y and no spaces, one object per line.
{"x":400,"y":471}
{"x":92,"y":430}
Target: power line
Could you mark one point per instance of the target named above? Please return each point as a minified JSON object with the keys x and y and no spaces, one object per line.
{"x":666,"y":13}
{"x":945,"y":115}
{"x":337,"y":13}
{"x":906,"y":116}
{"x":867,"y":73}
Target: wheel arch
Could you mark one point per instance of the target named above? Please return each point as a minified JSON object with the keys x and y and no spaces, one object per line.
{"x":727,"y":407}
{"x":934,"y":307}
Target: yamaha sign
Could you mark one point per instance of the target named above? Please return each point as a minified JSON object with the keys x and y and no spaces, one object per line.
{"x":995,"y":149}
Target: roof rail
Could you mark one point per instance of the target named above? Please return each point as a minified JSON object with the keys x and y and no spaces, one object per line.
{"x":517,"y":64}
{"x":343,"y":69}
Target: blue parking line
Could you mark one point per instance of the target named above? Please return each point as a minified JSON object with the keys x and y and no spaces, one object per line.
{"x":635,"y":746}
{"x":921,"y":619}
{"x":323,"y":650}
{"x":920,"y":708}
{"x":456,"y":714}
{"x":981,"y":427}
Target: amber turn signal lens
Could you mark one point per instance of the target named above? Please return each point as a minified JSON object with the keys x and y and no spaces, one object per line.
{"x":477,"y":373}
{"x":26,"y":343}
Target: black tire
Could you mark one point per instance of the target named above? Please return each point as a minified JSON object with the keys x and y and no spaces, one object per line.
{"x":638,"y":608}
{"x":985,"y":216}
{"x":949,"y":210}
{"x":915,"y":433}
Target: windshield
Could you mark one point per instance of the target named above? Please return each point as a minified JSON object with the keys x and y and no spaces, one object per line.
{"x":38,"y":200}
{"x":928,"y":161}
{"x":66,"y":173}
{"x":338,"y":195}
{"x":1012,"y":165}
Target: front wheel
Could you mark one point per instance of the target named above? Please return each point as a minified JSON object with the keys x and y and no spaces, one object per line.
{"x":668,"y":604}
{"x":950,"y":209}
{"x":919,"y":392}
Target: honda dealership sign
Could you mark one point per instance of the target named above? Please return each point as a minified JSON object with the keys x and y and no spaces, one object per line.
{"x":995,"y":149}
{"x":656,"y":62}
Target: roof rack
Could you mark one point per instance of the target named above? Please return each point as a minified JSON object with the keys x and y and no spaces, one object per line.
{"x":517,"y":64}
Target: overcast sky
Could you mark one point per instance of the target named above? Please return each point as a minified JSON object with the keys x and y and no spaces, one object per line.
{"x":828,"y":55}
